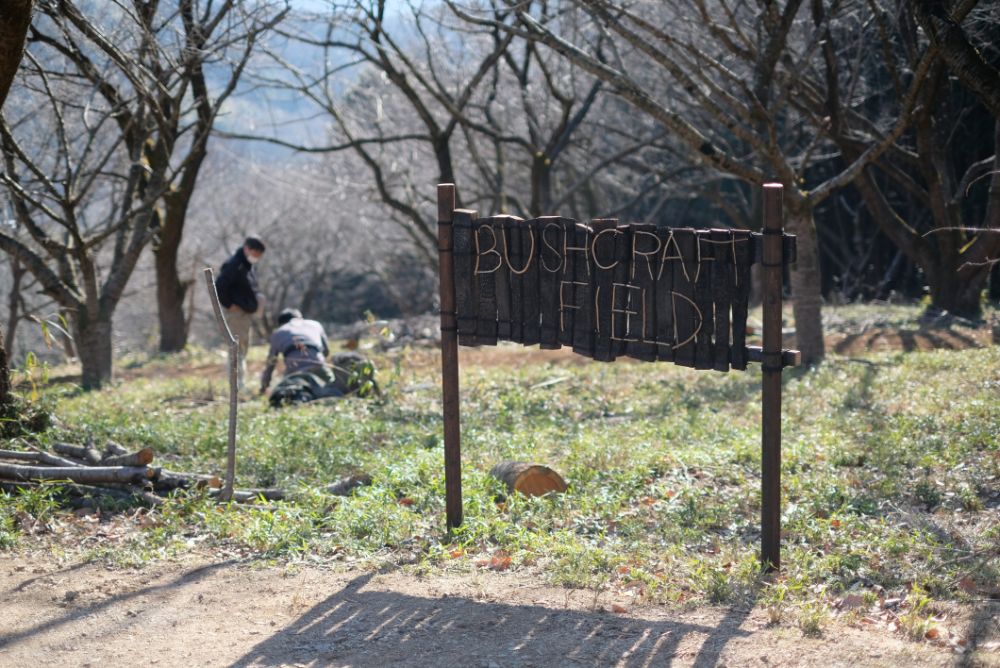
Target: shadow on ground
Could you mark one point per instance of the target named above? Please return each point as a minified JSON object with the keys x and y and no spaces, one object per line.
{"x":377,"y":628}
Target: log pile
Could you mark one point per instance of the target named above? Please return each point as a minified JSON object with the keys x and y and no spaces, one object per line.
{"x":113,"y":472}
{"x":116,"y":473}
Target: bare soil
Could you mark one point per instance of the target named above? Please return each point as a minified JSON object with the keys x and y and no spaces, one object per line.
{"x":200,"y":612}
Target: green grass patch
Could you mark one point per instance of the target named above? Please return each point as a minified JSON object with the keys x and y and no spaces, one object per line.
{"x":891,"y":469}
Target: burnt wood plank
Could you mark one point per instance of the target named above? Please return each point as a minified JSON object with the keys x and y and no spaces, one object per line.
{"x":487,"y":264}
{"x":687,"y":319}
{"x":466,"y":284}
{"x":705,"y":257}
{"x":744,"y":250}
{"x":604,"y":257}
{"x":529,"y":290}
{"x":502,"y":279}
{"x":621,"y":293}
{"x":643,"y":261}
{"x":665,"y":330}
{"x":583,"y":320}
{"x":512,"y":255}
{"x":567,"y":287}
{"x":550,"y":260}
{"x":723,"y":285}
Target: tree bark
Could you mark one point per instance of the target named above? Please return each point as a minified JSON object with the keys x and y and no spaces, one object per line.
{"x":39,"y":457}
{"x":963,"y":58}
{"x":807,"y":298}
{"x":170,"y":289}
{"x":93,"y":346}
{"x":84,"y":474}
{"x":15,"y":17}
{"x":5,"y":397}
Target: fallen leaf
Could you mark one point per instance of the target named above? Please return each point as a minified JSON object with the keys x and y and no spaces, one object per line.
{"x":500,"y":562}
{"x":967,"y":584}
{"x":850,"y":602}
{"x":455,"y":554}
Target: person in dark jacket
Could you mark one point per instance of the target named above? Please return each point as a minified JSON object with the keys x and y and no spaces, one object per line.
{"x":240,"y":296}
{"x":303,"y":344}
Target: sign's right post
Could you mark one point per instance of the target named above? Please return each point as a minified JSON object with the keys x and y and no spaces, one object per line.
{"x":772,"y":257}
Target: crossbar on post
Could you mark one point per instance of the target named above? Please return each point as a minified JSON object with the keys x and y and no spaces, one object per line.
{"x":772,"y":364}
{"x":449,"y":358}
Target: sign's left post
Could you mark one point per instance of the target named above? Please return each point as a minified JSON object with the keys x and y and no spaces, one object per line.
{"x":449,"y":358}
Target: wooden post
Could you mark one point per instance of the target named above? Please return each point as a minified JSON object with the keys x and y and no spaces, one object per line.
{"x":772,"y":363}
{"x":234,"y":354}
{"x":449,"y":359}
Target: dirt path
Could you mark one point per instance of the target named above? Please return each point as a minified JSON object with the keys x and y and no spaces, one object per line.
{"x":198,"y":613}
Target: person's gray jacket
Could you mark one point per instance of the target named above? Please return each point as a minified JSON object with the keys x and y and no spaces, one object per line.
{"x":301,"y":342}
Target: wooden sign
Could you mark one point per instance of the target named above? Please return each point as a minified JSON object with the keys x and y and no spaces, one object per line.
{"x":611,"y":291}
{"x":603,"y":289}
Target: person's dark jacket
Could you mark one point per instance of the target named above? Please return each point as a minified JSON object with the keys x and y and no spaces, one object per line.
{"x":237,"y":283}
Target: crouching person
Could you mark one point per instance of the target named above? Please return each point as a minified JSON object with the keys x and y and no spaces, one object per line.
{"x":302,"y":343}
{"x":308,"y":376}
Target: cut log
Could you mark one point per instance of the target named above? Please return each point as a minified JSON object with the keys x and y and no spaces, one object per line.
{"x":345,"y":486}
{"x":81,"y":452}
{"x":170,"y":480}
{"x":81,"y":474}
{"x":38,"y":457}
{"x":529,"y":479}
{"x":245,"y":495}
{"x":113,"y":448}
{"x":140,"y":458}
{"x":85,"y":496}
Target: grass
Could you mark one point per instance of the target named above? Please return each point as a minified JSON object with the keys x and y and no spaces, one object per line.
{"x":891,"y":475}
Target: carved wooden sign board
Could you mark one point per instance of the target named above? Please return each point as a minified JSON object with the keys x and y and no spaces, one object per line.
{"x":608,"y":291}
{"x":605,"y":290}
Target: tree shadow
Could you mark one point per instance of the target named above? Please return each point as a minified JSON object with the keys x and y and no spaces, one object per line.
{"x":378,"y":628}
{"x":985,"y":626}
{"x":186,"y":578}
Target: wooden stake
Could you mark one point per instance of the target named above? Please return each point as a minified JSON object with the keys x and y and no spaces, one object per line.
{"x":234,"y":356}
{"x":772,"y":363}
{"x":449,"y":359}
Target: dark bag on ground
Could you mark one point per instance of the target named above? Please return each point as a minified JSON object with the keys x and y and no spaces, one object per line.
{"x":348,"y":373}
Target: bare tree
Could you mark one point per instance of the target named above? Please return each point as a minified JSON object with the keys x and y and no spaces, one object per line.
{"x":112,"y":96}
{"x":916,"y":191}
{"x":431,"y":89}
{"x":721,"y":77}
{"x":15,"y":17}
{"x":941,"y":21}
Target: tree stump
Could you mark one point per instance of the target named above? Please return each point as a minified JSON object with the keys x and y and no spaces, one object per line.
{"x":529,"y":479}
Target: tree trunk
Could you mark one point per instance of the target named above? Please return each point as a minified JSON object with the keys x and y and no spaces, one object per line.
{"x":5,"y":398}
{"x":807,"y":298}
{"x":958,"y":291}
{"x":15,"y":17}
{"x":541,"y":185}
{"x":170,"y":289}
{"x":93,"y":346}
{"x":170,"y":294}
